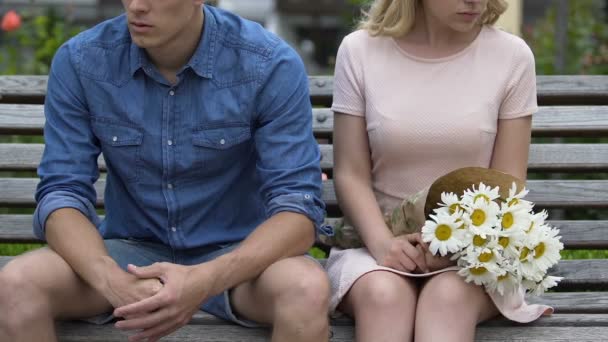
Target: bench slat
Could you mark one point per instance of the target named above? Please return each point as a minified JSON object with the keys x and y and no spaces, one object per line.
{"x":575,"y":234}
{"x":549,"y":121}
{"x":550,"y":89}
{"x":543,"y":157}
{"x":560,"y":90}
{"x":76,"y":332}
{"x":19,"y":192}
{"x":590,"y":274}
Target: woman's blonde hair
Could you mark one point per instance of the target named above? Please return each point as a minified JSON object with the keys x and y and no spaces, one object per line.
{"x":395,"y":18}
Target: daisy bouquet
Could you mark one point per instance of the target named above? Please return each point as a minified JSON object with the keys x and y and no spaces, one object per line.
{"x":498,"y":242}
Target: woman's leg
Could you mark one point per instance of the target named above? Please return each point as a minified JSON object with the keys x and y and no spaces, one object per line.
{"x":383,"y":305}
{"x":449,"y":309}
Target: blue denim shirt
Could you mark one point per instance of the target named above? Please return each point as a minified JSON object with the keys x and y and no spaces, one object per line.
{"x":202,"y":162}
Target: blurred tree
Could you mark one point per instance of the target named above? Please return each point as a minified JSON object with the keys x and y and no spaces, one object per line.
{"x":587,"y":40}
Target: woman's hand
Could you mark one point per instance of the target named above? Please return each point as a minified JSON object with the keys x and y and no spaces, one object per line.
{"x":435,"y":263}
{"x":405,"y":253}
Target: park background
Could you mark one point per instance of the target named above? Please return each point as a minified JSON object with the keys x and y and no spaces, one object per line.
{"x":568,"y":37}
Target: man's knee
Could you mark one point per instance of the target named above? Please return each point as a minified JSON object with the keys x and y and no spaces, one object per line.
{"x":305,"y":290}
{"x":21,"y":299}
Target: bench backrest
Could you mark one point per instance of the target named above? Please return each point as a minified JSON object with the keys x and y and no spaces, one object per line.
{"x":570,"y":107}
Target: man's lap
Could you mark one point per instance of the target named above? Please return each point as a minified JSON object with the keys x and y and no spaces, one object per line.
{"x":143,"y":253}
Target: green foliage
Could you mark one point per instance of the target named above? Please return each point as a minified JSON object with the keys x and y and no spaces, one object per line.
{"x":16,"y":249}
{"x":29,"y":50}
{"x":587,"y":40}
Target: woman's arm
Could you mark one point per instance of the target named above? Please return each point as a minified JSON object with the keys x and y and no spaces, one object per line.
{"x":353,"y":182}
{"x":512,"y":145}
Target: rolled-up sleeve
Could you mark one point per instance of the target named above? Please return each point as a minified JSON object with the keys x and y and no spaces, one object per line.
{"x":288,"y":160}
{"x":68,"y":168}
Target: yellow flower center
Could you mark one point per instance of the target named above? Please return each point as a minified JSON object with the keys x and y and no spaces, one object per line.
{"x":513,"y":202}
{"x":507,"y":220}
{"x":503,"y":277}
{"x":478,"y":217}
{"x":478,"y":241}
{"x":478,"y":270}
{"x":485,"y":257}
{"x":443,"y":232}
{"x":504,"y":242}
{"x":524,"y":254}
{"x":539,"y":250}
{"x":454,"y":207}
{"x":531,"y":226}
{"x":462,"y":226}
{"x":481,"y":196}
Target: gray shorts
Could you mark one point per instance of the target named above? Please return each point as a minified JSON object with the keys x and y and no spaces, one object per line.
{"x":144,"y":253}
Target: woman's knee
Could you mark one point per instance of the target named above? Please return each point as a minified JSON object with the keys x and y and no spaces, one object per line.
{"x":383,"y":290}
{"x":453,"y":294}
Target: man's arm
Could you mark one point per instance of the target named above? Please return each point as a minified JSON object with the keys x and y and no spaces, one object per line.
{"x":65,"y":214}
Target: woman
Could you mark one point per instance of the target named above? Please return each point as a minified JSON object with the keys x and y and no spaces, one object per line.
{"x":423,"y":88}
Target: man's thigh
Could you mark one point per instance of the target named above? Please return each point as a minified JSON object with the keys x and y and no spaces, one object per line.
{"x":44,"y":275}
{"x":255,"y":300}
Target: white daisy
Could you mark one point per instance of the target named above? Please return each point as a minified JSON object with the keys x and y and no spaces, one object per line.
{"x":481,"y":215}
{"x":547,"y":249}
{"x":450,"y":203}
{"x":547,"y":283}
{"x":511,"y":242}
{"x":481,"y":274}
{"x":443,"y":234}
{"x":505,"y":284}
{"x":514,"y":217}
{"x":483,"y":192}
{"x":516,"y":199}
{"x":537,"y":219}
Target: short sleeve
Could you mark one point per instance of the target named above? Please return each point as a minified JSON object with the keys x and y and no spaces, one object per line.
{"x":520,"y":96}
{"x":348,"y":85}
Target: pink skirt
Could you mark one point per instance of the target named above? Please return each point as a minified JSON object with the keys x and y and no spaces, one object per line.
{"x":345,"y":266}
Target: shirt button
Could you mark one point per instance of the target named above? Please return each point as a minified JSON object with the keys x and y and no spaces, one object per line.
{"x":173,"y":229}
{"x":307,"y":196}
{"x":169,"y":186}
{"x":171,"y":93}
{"x":169,"y":142}
{"x":114,"y":138}
{"x":222,"y":142}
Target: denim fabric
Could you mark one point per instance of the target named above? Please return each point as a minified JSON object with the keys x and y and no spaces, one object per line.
{"x":143,"y":253}
{"x":199,"y":163}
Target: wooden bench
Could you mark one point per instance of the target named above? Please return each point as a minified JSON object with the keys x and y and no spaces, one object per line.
{"x":571,"y":106}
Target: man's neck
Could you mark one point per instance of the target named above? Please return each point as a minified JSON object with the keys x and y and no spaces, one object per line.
{"x":171,"y":57}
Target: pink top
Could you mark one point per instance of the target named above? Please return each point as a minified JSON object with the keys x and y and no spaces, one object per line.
{"x":426,"y":117}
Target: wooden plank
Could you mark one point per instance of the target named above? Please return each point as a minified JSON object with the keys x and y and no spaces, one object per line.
{"x":542,"y":158}
{"x":22,"y":89}
{"x":551,"y":89}
{"x":575,"y":234}
{"x":72,"y":332}
{"x":19,"y":192}
{"x":581,"y":121}
{"x":589,"y":274}
{"x":26,"y":157}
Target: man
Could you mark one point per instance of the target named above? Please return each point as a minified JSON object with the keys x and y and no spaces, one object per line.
{"x":213,"y":185}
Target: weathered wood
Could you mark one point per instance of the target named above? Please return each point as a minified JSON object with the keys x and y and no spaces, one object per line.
{"x":72,"y":332}
{"x":550,"y":89}
{"x":543,"y":157}
{"x":19,"y":192}
{"x":575,"y":234}
{"x":585,"y":121}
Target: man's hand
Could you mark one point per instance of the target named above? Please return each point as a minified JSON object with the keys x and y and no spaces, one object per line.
{"x":401,"y":253}
{"x":172,"y":307}
{"x":121,"y":288}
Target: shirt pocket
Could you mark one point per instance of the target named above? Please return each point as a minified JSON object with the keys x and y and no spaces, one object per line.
{"x":121,"y":148}
{"x":221,"y":147}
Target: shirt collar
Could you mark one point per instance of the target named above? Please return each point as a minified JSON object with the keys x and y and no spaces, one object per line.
{"x":203,"y":59}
